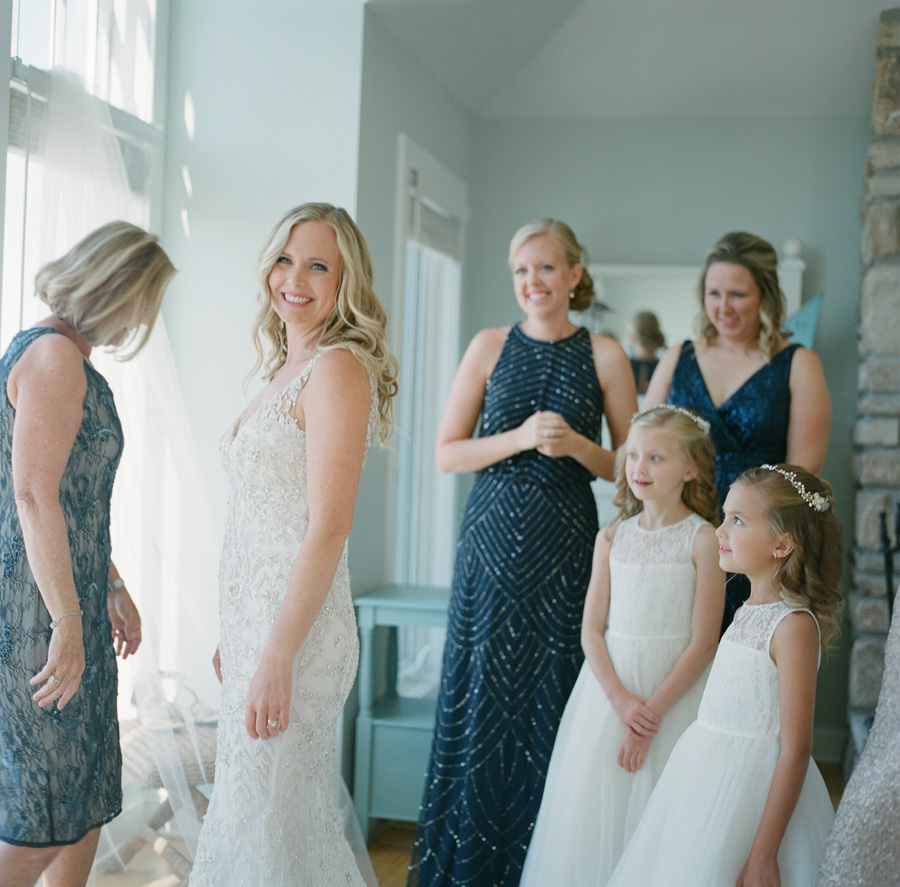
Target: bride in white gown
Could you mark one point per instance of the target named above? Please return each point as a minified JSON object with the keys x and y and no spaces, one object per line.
{"x":289,"y":649}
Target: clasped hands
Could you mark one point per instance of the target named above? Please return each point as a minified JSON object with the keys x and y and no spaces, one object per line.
{"x":548,"y":433}
{"x":641,"y":725}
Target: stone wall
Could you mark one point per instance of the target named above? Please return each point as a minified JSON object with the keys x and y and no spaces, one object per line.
{"x":876,"y":435}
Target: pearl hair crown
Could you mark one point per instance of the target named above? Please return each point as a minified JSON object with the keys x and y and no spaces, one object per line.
{"x":702,"y":424}
{"x":816,"y":501}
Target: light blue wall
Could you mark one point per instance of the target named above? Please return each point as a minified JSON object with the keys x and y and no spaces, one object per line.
{"x":275,"y":90}
{"x":273,"y":130}
{"x":274,"y":87}
{"x":397,"y":97}
{"x":662,"y":191}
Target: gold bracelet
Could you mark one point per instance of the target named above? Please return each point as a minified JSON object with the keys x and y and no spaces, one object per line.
{"x":56,"y":622}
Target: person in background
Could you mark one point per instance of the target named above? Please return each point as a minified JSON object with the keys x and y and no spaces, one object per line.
{"x":513,"y":649}
{"x":764,"y":398}
{"x":64,"y":611}
{"x":646,"y":339}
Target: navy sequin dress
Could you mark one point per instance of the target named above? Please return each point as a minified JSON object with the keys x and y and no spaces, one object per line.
{"x":60,"y":771}
{"x":513,"y":649}
{"x":749,"y":429}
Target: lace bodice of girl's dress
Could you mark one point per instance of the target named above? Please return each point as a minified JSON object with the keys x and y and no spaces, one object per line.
{"x":699,"y":823}
{"x":742,"y":693}
{"x":271,"y":820}
{"x":654,"y":578}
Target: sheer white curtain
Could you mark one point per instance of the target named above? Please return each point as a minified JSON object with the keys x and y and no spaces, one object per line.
{"x":163,"y":542}
{"x":426,"y":510}
{"x":432,"y":330}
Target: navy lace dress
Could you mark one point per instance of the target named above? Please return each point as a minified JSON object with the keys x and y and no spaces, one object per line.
{"x":750,"y":428}
{"x":513,"y":647}
{"x":60,"y":771}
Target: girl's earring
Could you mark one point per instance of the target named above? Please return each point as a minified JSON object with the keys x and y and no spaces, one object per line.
{"x":571,"y":295}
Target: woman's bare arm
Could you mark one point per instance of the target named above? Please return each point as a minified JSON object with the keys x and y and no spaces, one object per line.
{"x":46,"y":388}
{"x":334,"y":409}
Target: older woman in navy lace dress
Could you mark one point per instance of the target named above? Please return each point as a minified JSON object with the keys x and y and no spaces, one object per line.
{"x":764,"y":398}
{"x":64,"y":611}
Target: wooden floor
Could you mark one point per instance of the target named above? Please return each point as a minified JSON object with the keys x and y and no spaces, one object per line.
{"x":390,"y":843}
{"x":390,"y":849}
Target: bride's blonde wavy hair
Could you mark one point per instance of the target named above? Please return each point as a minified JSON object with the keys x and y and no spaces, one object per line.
{"x":357,"y":321}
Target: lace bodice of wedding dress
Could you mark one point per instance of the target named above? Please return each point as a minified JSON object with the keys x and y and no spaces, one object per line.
{"x":272,"y":819}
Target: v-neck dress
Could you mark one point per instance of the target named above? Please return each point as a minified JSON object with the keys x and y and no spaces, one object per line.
{"x":749,"y":429}
{"x":272,"y":820}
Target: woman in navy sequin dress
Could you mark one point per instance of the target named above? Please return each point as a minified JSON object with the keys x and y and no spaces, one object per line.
{"x":62,"y":603}
{"x":523,"y":561}
{"x":765,"y":399}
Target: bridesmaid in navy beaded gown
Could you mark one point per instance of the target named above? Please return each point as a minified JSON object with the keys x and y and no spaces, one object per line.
{"x":64,"y":611}
{"x":523,"y":561}
{"x":765,"y":399}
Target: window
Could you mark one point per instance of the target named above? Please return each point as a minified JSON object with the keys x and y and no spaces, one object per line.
{"x":59,"y":176}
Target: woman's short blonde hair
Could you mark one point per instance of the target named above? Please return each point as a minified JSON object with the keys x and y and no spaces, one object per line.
{"x":112,"y":280}
{"x":357,"y":321}
{"x":758,"y":256}
{"x":565,"y":237}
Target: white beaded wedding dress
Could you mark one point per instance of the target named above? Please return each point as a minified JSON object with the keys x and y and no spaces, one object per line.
{"x":272,"y":820}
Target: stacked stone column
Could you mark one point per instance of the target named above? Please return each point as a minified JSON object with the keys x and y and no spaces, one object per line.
{"x":876,"y":435}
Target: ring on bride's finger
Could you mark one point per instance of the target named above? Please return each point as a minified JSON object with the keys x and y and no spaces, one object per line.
{"x":55,"y":679}
{"x":272,"y":723}
{"x":546,"y":434}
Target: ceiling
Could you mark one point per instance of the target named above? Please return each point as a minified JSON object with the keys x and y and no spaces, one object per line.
{"x":644,"y":58}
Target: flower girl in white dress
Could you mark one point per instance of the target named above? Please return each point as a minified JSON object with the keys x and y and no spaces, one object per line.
{"x":656,"y":576}
{"x":740,"y":802}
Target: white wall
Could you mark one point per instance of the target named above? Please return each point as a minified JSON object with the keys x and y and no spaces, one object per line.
{"x":276,"y":90}
{"x":398,"y":96}
{"x":272,"y":89}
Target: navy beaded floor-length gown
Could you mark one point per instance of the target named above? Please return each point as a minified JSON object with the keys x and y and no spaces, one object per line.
{"x":513,"y":647}
{"x":750,"y":428}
